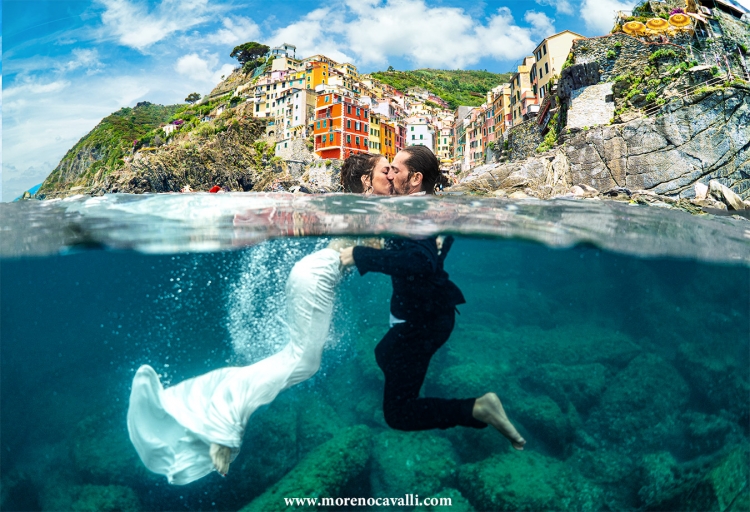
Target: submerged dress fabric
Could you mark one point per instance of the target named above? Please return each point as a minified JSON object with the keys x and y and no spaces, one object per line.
{"x":172,"y":428}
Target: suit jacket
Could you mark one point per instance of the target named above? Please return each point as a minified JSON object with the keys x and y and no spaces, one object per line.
{"x":420,"y":284}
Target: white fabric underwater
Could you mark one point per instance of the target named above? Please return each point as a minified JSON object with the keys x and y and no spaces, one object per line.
{"x":172,"y":429}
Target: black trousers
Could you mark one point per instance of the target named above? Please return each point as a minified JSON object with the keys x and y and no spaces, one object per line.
{"x":404,"y":355}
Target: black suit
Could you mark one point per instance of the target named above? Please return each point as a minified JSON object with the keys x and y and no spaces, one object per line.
{"x":426,"y":300}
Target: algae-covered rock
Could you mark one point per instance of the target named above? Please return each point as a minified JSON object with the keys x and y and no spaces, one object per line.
{"x":719,"y":377}
{"x":719,"y":483}
{"x":324,"y":473}
{"x":582,"y":385}
{"x":457,"y":502}
{"x":543,"y":419}
{"x":641,"y":404}
{"x":421,"y":462}
{"x":526,"y":481}
{"x":106,"y":498}
{"x":102,"y":453}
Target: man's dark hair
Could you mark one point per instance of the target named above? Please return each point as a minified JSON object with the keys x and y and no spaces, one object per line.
{"x":354,"y":167}
{"x":422,"y":159}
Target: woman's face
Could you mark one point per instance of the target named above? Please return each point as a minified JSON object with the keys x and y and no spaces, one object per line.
{"x":381,"y":185}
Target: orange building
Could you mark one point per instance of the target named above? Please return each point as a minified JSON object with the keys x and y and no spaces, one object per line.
{"x":387,"y":140}
{"x":341,"y":126}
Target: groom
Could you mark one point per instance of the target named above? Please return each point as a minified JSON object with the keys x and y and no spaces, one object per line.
{"x":423,"y":307}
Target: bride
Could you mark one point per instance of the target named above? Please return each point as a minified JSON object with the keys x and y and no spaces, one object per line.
{"x":195,"y":427}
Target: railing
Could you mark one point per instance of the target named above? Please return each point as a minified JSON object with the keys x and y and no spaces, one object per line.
{"x":684,"y":93}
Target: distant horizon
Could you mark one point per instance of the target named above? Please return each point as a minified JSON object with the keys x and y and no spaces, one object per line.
{"x":68,"y":64}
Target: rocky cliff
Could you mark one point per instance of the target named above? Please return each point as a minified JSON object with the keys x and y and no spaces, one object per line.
{"x":696,"y":138}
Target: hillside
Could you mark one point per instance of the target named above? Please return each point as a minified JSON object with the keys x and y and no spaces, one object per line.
{"x":108,"y":143}
{"x":456,"y":87}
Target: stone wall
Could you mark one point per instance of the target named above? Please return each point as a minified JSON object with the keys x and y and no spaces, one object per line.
{"x":630,"y":54}
{"x":523,"y":140}
{"x":591,"y":106}
{"x":699,"y":138}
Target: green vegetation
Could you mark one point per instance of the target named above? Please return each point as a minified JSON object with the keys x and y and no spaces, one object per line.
{"x":455,"y":87}
{"x":550,"y":139}
{"x":662,"y":53}
{"x":568,"y":62}
{"x":618,"y":44}
{"x":192,"y":97}
{"x":611,"y":54}
{"x":115,"y":136}
{"x":651,"y":96}
{"x":250,"y":55}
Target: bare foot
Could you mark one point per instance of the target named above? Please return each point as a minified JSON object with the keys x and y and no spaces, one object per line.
{"x":489,"y":409}
{"x":221,"y":457}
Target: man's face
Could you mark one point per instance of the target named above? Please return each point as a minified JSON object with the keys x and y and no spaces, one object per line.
{"x":398,"y":174}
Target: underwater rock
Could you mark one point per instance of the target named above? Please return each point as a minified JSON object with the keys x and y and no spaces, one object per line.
{"x":639,"y":407}
{"x":325,"y":472}
{"x":611,"y":470}
{"x":706,"y":433}
{"x":317,"y":422}
{"x":18,"y":492}
{"x":60,"y":494}
{"x":269,"y":449}
{"x":419,"y":462}
{"x":101,"y":452}
{"x":721,"y":483}
{"x":717,"y":377}
{"x":526,"y":481}
{"x":581,"y":385}
{"x":543,"y":419}
{"x":457,"y":502}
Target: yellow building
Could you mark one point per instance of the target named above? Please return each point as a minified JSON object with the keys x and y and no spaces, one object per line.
{"x":501,"y":109}
{"x":375,"y":147}
{"x":522,"y":96}
{"x":550,"y":55}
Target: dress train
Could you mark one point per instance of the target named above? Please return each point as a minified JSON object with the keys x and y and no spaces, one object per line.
{"x":172,"y":429}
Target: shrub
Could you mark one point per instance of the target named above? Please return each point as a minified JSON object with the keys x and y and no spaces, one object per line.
{"x":651,"y":96}
{"x":654,"y":82}
{"x":714,"y":70}
{"x":618,"y":44}
{"x":611,"y":54}
{"x":661,"y":101}
{"x":662,"y":53}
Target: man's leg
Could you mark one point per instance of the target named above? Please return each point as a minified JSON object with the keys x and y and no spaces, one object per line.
{"x":404,"y":356}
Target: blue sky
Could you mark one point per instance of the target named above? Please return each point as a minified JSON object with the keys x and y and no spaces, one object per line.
{"x":68,"y":64}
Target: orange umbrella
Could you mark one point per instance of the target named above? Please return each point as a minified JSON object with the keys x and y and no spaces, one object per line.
{"x":679,"y":20}
{"x":633,"y":28}
{"x":657,"y":24}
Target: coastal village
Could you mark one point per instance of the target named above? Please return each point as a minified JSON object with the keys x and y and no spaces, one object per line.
{"x":344,"y":112}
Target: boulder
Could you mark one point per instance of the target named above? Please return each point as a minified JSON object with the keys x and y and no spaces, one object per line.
{"x":324,"y":473}
{"x":422,"y":462}
{"x":517,"y":481}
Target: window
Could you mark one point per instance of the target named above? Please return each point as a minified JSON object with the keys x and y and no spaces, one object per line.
{"x":348,"y":123}
{"x":413,"y":137}
{"x":421,"y":137}
{"x":356,"y":125}
{"x":412,"y":128}
{"x":328,"y":98}
{"x":348,"y":139}
{"x":285,"y":144}
{"x":318,"y":125}
{"x":546,"y":68}
{"x":365,"y":114}
{"x":545,"y":49}
{"x":356,"y":140}
{"x":330,"y":137}
{"x":324,"y":123}
{"x":348,"y":109}
{"x":257,"y":108}
{"x":357,"y":111}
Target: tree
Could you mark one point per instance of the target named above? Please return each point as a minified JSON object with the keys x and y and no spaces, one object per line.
{"x":193,"y":97}
{"x":248,"y":52}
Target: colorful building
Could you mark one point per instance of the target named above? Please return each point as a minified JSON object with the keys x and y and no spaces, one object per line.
{"x":550,"y":56}
{"x":522,"y":98}
{"x":387,"y":139}
{"x":341,"y":125}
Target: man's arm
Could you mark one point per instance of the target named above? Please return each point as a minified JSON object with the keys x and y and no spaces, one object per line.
{"x":413,"y":258}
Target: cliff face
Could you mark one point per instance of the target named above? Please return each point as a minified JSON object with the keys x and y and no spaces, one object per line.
{"x":226,"y":152}
{"x":692,"y":139}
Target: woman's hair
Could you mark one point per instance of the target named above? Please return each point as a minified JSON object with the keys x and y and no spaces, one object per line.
{"x":354,"y":167}
{"x":422,"y":159}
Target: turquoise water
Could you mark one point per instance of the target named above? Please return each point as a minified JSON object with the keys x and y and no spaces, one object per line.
{"x":617,"y":337}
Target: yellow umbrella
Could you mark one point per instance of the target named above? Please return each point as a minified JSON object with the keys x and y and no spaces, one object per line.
{"x":657,"y":24}
{"x":679,"y":20}
{"x":633,"y":27}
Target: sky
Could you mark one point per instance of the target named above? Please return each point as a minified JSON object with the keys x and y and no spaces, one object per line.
{"x":67,"y":64}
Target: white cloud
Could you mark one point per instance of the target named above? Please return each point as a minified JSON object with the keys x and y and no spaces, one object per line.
{"x":599,"y":15}
{"x":561,"y":6}
{"x":317,"y":32}
{"x":203,"y":69}
{"x":236,"y":30}
{"x":134,"y":25}
{"x":30,"y":86}
{"x":541,"y":24}
{"x":85,"y":58}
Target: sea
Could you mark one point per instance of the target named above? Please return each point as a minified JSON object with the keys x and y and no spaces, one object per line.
{"x":616,"y":335}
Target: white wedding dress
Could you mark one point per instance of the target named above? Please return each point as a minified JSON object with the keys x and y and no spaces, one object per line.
{"x":172,"y":429}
